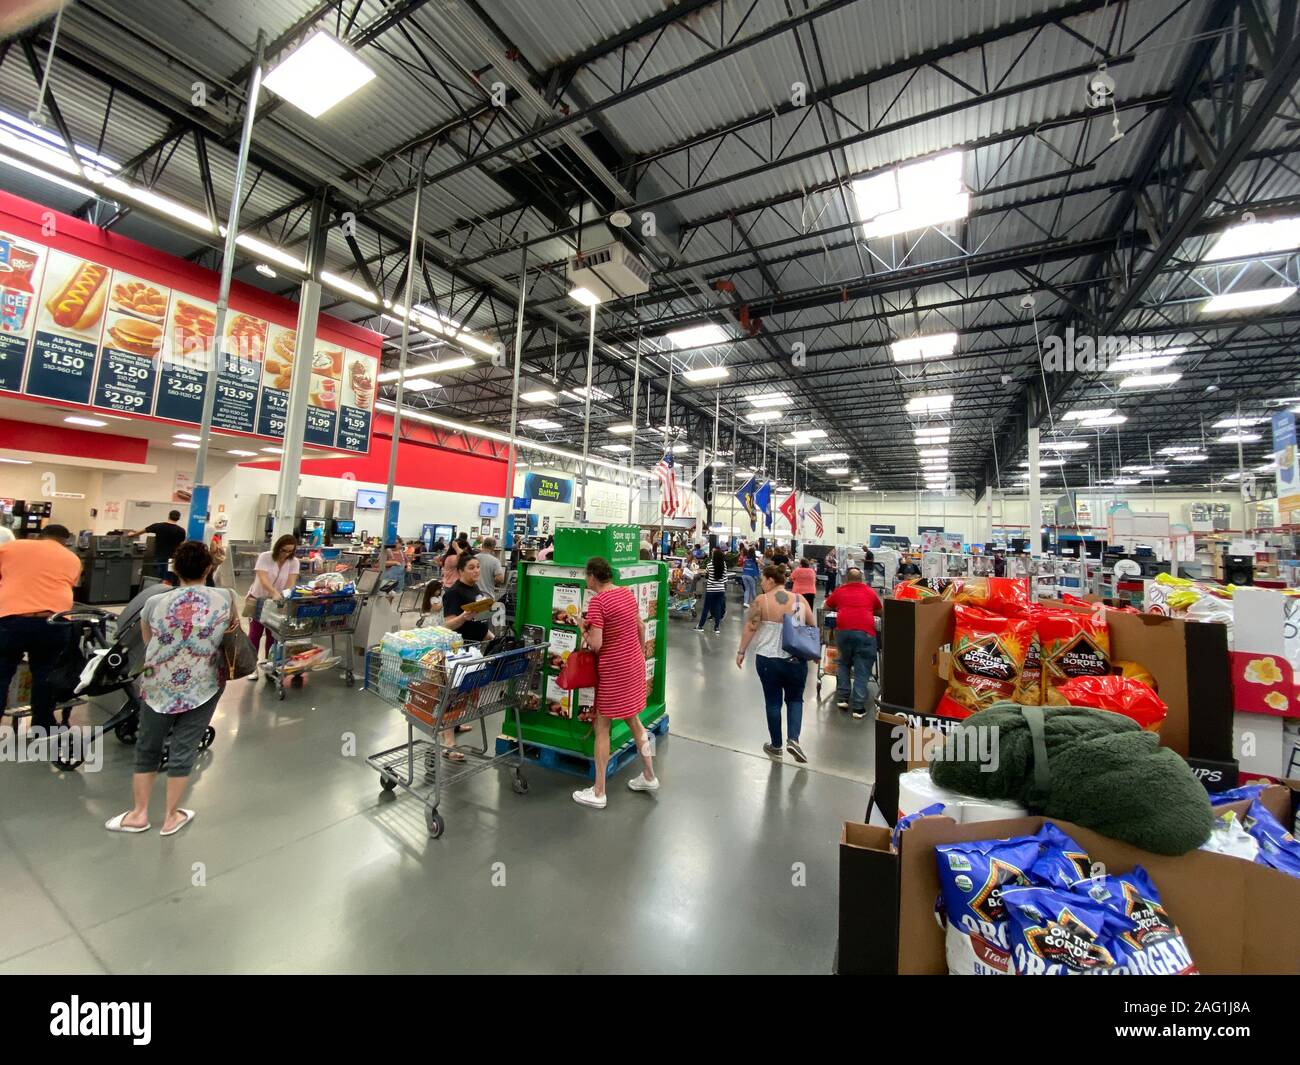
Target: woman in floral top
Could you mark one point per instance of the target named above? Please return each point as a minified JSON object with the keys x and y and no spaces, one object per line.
{"x":184,"y":675}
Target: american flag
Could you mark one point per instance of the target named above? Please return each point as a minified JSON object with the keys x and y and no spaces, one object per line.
{"x":815,"y":515}
{"x":667,"y":475}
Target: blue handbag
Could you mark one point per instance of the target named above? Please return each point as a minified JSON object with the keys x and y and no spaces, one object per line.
{"x":800,"y":641}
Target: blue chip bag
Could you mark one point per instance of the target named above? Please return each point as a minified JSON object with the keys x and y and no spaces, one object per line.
{"x":972,"y":877}
{"x":1149,"y":943}
{"x":1278,"y":849}
{"x":1061,"y":862}
{"x":1246,"y":791}
{"x":904,"y":823}
{"x":1060,"y":933}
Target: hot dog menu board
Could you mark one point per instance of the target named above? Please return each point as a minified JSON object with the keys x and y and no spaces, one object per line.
{"x":80,"y":332}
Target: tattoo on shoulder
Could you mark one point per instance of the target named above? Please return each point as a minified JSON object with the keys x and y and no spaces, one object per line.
{"x":782,"y":598}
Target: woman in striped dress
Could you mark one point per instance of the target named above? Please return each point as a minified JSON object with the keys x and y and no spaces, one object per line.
{"x":715,"y":591}
{"x":613,"y":629}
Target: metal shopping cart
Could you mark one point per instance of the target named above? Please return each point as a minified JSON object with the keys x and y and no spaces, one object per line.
{"x":828,"y":663}
{"x":439,"y":698}
{"x":297,"y":623}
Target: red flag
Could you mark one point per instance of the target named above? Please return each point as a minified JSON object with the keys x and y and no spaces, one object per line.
{"x":788,"y":511}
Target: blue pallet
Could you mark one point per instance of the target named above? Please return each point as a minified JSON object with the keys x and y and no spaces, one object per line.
{"x":576,"y":764}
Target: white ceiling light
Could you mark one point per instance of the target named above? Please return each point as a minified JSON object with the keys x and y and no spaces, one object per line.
{"x":698,"y":336}
{"x":540,"y":423}
{"x":1063,"y":445}
{"x":764,"y":416}
{"x":707,"y":373}
{"x":151,"y":199}
{"x":935,"y":452}
{"x":581,"y":393}
{"x":182,"y":443}
{"x":1098,"y":423}
{"x":770,"y":399}
{"x":1255,"y":238}
{"x":457,"y":363}
{"x":584,"y":296}
{"x":268,"y":251}
{"x":1267,"y":467}
{"x":1235,"y":423}
{"x":1094,"y":412}
{"x":617,"y":449}
{"x":860,"y":488}
{"x":838,"y":471}
{"x":1150,"y":380}
{"x":623,"y":428}
{"x":904,"y":198}
{"x":540,"y":395}
{"x":828,"y":456}
{"x":1191,"y":458}
{"x":349,"y":288}
{"x":1179,"y":449}
{"x":1153,"y":471}
{"x":1247,"y":300}
{"x":1144,"y":362}
{"x":1239,"y":438}
{"x":1044,"y":462}
{"x":242,"y":454}
{"x":1121,"y":481}
{"x":937,"y":346}
{"x":929,"y":404}
{"x":420,"y":384}
{"x":185,"y":436}
{"x":318,"y":74}
{"x":17,"y":462}
{"x":76,"y":419}
{"x":941,"y":434}
{"x":265,"y":270}
{"x":273,"y":450}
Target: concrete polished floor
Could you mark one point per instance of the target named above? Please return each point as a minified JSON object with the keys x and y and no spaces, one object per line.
{"x":294,"y":864}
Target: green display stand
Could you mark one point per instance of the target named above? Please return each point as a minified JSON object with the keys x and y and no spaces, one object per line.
{"x":540,"y":604}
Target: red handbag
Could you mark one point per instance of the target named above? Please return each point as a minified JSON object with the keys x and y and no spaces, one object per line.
{"x":578,"y":671}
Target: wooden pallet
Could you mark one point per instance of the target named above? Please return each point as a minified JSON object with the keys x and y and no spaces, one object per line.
{"x":576,"y":764}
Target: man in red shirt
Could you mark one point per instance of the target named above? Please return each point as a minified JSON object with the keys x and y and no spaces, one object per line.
{"x":856,"y":605}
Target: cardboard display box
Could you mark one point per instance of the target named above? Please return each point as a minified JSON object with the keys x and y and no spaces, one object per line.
{"x":1188,"y":659}
{"x":1236,"y":917}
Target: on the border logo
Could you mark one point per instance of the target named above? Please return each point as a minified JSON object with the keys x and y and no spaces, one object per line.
{"x":132,"y":1020}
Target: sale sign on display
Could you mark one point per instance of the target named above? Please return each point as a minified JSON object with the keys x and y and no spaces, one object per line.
{"x":1286,"y":458}
{"x":107,"y":323}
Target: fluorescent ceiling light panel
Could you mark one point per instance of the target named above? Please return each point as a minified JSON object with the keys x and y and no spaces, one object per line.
{"x":929,"y":404}
{"x":350,"y":288}
{"x":1063,"y":445}
{"x":242,"y":454}
{"x":618,"y":449}
{"x":1126,"y":481}
{"x":184,"y":444}
{"x":1111,"y":419}
{"x":1235,"y":423}
{"x":457,"y":363}
{"x":540,"y":423}
{"x":273,"y":450}
{"x":268,"y":251}
{"x":1151,"y":380}
{"x":764,"y":416}
{"x":318,"y":74}
{"x":1191,"y":458}
{"x":185,"y":436}
{"x":584,"y":296}
{"x":1153,"y":471}
{"x":1144,"y":362}
{"x":698,"y":336}
{"x":1255,"y":238}
{"x":1247,"y":300}
{"x":933,"y":434}
{"x":54,"y":179}
{"x":937,"y":346}
{"x":76,"y":419}
{"x":770,"y":399}
{"x":1179,"y":449}
{"x":905,"y":198}
{"x":1044,"y":462}
{"x":707,"y":373}
{"x":622,"y":428}
{"x":161,"y":204}
{"x":828,"y":456}
{"x":838,"y":471}
{"x":581,"y":393}
{"x":1239,"y":438}
{"x":540,"y":395}
{"x":1082,"y":414}
{"x":420,"y":384}
{"x":935,"y":453}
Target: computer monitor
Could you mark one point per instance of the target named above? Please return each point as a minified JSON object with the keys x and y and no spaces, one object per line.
{"x":1095,"y":549}
{"x":1145,"y":552}
{"x":489,"y":510}
{"x":344,"y":528}
{"x":368,"y":499}
{"x":1019,"y":544}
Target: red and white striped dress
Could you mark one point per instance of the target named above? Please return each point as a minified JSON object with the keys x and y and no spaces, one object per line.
{"x":620,"y":665}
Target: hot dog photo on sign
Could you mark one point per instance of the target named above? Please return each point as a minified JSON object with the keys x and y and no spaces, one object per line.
{"x":74,"y":298}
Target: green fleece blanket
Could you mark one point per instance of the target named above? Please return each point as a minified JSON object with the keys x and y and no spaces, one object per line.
{"x":1103,"y":772}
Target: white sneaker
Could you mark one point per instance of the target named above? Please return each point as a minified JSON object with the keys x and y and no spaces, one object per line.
{"x":639,"y":783}
{"x":588,"y":797}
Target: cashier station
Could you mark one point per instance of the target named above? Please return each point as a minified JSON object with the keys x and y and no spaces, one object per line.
{"x":110,"y":568}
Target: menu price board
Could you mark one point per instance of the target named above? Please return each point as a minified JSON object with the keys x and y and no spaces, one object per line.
{"x":78,"y":331}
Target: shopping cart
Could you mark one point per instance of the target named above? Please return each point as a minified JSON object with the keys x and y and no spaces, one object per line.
{"x":828,"y":663}
{"x":439,"y":698}
{"x":297,"y":623}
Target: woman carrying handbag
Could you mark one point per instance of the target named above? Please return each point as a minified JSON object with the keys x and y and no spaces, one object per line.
{"x":776,"y":626}
{"x":612,"y":629}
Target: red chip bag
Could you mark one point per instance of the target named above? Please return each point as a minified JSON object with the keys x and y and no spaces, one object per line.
{"x":923,"y":588}
{"x":998,"y":595}
{"x":1029,"y":688}
{"x":1073,"y":645}
{"x":988,"y":653}
{"x":1123,"y":695}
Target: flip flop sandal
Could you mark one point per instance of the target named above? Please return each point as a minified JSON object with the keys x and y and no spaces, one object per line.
{"x":454,"y":756}
{"x":189,"y":816}
{"x":464,"y":728}
{"x":114,"y":824}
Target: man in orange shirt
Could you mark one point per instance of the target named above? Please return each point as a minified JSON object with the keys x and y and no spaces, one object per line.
{"x":36,"y":580}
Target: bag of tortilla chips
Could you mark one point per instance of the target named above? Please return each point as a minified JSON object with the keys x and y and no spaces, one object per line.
{"x":988,"y":654}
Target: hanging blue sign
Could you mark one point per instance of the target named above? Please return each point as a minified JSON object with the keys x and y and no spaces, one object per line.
{"x":354,"y":429}
{"x":551,"y":489}
{"x":272,"y":412}
{"x":320,"y":427}
{"x":180,"y":393}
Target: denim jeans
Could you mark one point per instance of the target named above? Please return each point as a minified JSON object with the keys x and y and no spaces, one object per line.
{"x":715,"y":605}
{"x":857,"y":654}
{"x":44,"y":644}
{"x":751,"y":587}
{"x":782,"y":679}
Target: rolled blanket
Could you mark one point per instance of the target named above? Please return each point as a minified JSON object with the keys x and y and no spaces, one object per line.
{"x":1103,"y":772}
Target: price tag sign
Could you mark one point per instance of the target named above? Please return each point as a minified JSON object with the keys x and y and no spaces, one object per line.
{"x":13,"y":360}
{"x":273,"y":412}
{"x":236,"y":404}
{"x":180,"y":394}
{"x":354,"y":429}
{"x":126,"y":382}
{"x":320,"y":426}
{"x":62,"y":368}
